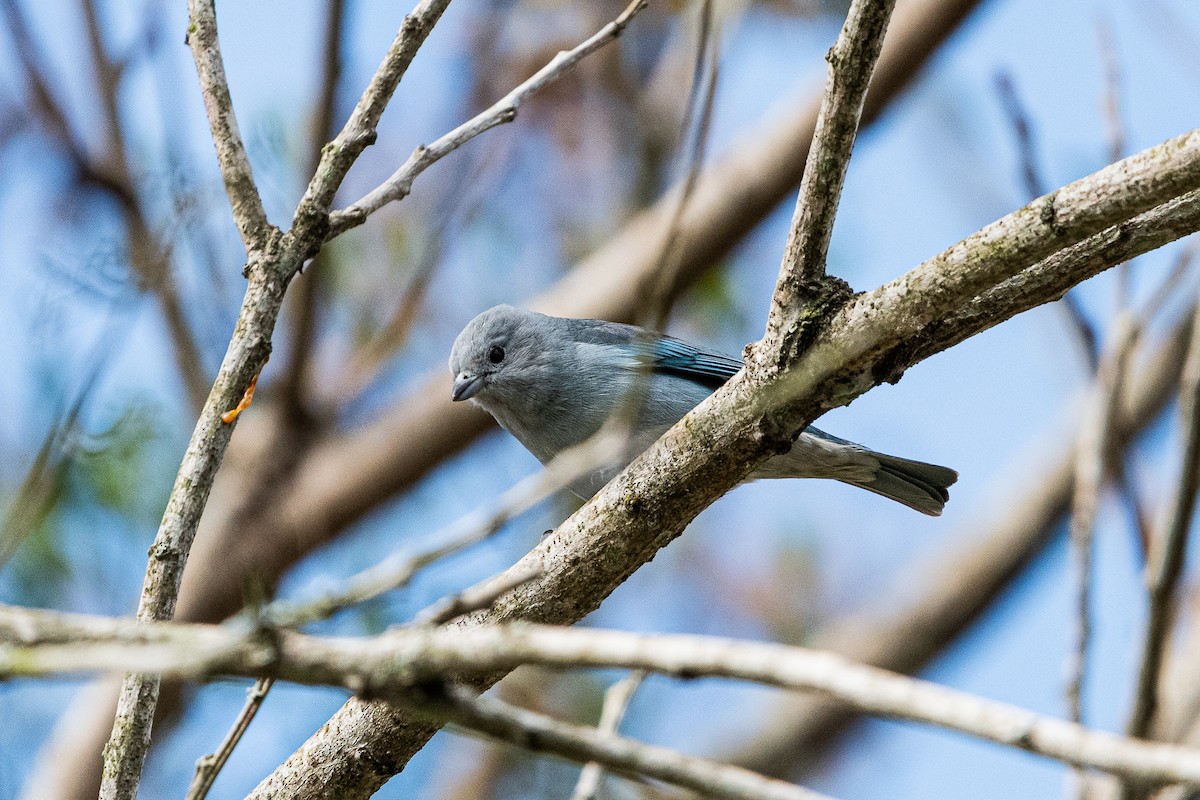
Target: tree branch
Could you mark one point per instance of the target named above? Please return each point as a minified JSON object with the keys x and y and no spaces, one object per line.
{"x":1094,"y":446}
{"x":375,"y":462}
{"x":399,"y":185}
{"x":1165,"y":557}
{"x":43,"y":642}
{"x":616,"y":702}
{"x":851,"y":63}
{"x":248,"y":213}
{"x":343,"y":478}
{"x":360,"y":129}
{"x":756,"y":413}
{"x":903,"y":634}
{"x":541,"y":734}
{"x":294,"y":383}
{"x":274,"y":259}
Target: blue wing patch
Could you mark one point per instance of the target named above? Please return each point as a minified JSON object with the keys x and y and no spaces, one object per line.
{"x":675,"y":357}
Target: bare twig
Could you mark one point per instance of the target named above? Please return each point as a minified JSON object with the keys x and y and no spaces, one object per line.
{"x":274,"y":258}
{"x":1090,"y":469}
{"x":294,"y":383}
{"x":539,"y":733}
{"x":616,"y":701}
{"x":210,"y":766}
{"x":359,"y":131}
{"x":851,"y":63}
{"x":248,"y":213}
{"x":476,"y":598}
{"x":44,"y":642}
{"x":1165,"y":560}
{"x":473,"y":528}
{"x":1091,"y":465}
{"x":661,"y":297}
{"x":399,"y":185}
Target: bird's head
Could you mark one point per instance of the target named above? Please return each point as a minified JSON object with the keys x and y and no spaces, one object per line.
{"x":499,"y":354}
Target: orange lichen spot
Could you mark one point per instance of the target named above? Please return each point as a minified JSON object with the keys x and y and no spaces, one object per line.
{"x":229,"y":416}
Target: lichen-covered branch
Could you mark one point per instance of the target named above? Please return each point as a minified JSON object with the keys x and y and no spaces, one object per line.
{"x":903,"y":632}
{"x":274,"y":259}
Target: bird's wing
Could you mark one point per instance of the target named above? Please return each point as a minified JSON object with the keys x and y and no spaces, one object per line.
{"x":670,"y":356}
{"x":664,"y":355}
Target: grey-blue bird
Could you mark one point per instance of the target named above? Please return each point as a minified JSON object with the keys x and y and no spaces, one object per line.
{"x":553,"y":382}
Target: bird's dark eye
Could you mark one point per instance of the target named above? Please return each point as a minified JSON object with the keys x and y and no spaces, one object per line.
{"x":496,"y":354}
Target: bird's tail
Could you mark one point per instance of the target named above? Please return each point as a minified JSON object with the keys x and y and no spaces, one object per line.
{"x":918,"y":485}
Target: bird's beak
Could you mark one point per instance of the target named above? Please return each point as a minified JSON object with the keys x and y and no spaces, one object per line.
{"x":466,"y":386}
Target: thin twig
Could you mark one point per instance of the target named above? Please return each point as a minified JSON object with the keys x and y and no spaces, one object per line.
{"x":851,"y":62}
{"x":616,"y":701}
{"x":210,"y":766}
{"x":476,"y":598}
{"x":473,"y":528}
{"x":701,"y":97}
{"x":1094,"y":446}
{"x":399,"y":185}
{"x":539,"y":733}
{"x":248,"y":213}
{"x":294,"y":384}
{"x":360,"y":129}
{"x":1165,"y":561}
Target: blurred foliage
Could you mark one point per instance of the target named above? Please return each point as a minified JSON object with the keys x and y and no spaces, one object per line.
{"x":123,"y":468}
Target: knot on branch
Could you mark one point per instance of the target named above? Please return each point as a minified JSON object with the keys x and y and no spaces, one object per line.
{"x":263,"y":260}
{"x":890,"y":367}
{"x":309,"y":231}
{"x":802,"y":311}
{"x":1049,"y":215}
